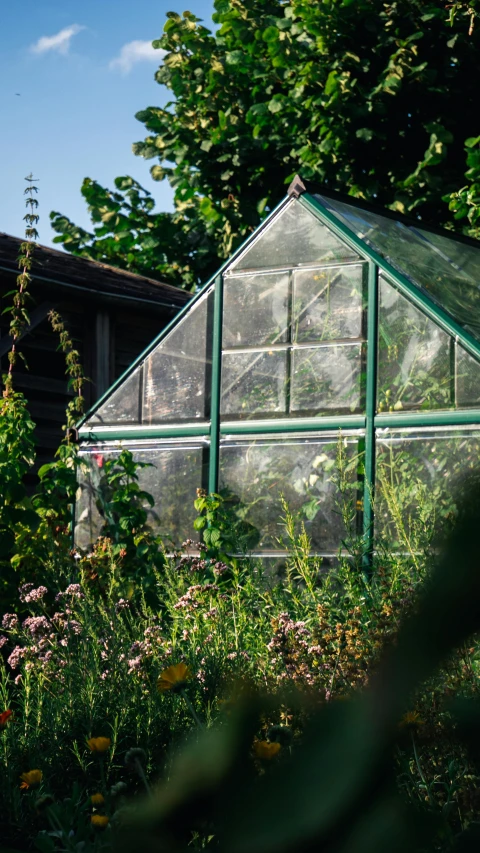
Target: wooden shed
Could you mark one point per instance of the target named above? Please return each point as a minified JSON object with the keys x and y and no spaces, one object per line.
{"x":111,"y":314}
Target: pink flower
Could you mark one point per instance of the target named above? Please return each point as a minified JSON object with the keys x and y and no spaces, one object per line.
{"x":16,"y":657}
{"x":37,"y":625}
{"x":24,"y":590}
{"x":74,"y":590}
{"x":35,"y":594}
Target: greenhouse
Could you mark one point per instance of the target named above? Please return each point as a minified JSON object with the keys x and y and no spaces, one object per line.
{"x":337,"y":336}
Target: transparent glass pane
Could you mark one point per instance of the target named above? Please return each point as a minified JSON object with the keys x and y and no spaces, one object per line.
{"x":468,"y":379}
{"x":123,"y":406}
{"x":175,"y":377}
{"x":88,"y":519}
{"x":463,"y":256}
{"x":294,"y":237}
{"x":177,"y":373}
{"x":254,"y":383}
{"x":453,"y":284}
{"x":327,"y":303}
{"x":254,"y":474}
{"x":414,"y":370}
{"x":327,"y":379}
{"x":255,"y":310}
{"x":175,"y":472}
{"x":419,"y":477}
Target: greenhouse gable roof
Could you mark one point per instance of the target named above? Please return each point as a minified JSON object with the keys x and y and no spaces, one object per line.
{"x":437,"y":271}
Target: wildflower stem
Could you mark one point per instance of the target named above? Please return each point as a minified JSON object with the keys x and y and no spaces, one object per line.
{"x":420,"y":771}
{"x":192,"y":710}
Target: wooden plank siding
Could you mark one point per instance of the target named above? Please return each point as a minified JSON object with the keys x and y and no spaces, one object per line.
{"x":110,"y":314}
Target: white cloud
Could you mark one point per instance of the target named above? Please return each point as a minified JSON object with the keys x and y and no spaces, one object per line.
{"x":59,"y":42}
{"x":133,"y":52}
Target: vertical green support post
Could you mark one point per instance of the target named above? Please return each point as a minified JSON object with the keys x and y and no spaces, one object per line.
{"x":369,"y":483}
{"x":216,"y":386}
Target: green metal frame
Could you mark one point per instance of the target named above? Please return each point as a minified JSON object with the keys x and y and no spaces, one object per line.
{"x":216,"y":387}
{"x":372,"y":338}
{"x":124,"y":433}
{"x":215,"y":429}
{"x":279,"y":425}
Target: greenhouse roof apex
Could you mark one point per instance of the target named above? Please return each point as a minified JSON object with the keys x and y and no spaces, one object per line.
{"x":297,"y":187}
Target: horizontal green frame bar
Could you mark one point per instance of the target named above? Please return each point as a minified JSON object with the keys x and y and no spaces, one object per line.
{"x":291,"y":425}
{"x":119,"y":434}
{"x":403,"y":419}
{"x":426,"y":419}
{"x":414,"y":292}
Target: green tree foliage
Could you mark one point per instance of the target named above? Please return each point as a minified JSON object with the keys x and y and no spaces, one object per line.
{"x":369,"y":97}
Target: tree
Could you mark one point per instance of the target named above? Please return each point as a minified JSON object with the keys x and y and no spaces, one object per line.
{"x":370,"y":97}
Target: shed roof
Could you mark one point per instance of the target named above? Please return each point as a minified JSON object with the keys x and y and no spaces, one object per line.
{"x":64,"y":270}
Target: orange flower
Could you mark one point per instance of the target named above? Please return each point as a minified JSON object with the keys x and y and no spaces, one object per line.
{"x":99,"y":821}
{"x":99,"y":744}
{"x":265,"y":750}
{"x":174,"y":678}
{"x":97,"y":799}
{"x":31,"y":779}
{"x":4,"y":718}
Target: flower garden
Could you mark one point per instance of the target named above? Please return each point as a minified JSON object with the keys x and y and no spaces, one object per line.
{"x":127,"y":701}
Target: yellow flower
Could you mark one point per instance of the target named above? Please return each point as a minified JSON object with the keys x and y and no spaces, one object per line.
{"x":99,"y":744}
{"x":174,"y":678}
{"x":411,"y":720}
{"x":31,"y":779}
{"x":100,"y":821}
{"x":265,"y":750}
{"x":97,"y":799}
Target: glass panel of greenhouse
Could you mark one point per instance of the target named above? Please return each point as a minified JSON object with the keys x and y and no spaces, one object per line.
{"x":420,"y":473}
{"x":330,"y":371}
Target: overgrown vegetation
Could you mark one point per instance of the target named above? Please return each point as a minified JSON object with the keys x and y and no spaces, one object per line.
{"x":103,"y":679}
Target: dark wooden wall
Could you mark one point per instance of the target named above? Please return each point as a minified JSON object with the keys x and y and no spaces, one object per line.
{"x":109,"y":334}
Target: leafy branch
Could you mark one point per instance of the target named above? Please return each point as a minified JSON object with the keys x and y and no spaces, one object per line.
{"x":73,"y":368}
{"x":19,"y":316}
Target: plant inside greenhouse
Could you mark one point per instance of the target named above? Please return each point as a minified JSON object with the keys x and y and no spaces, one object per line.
{"x":335,"y":333}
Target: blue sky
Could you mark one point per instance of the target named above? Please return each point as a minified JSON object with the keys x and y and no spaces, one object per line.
{"x":82,"y":71}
